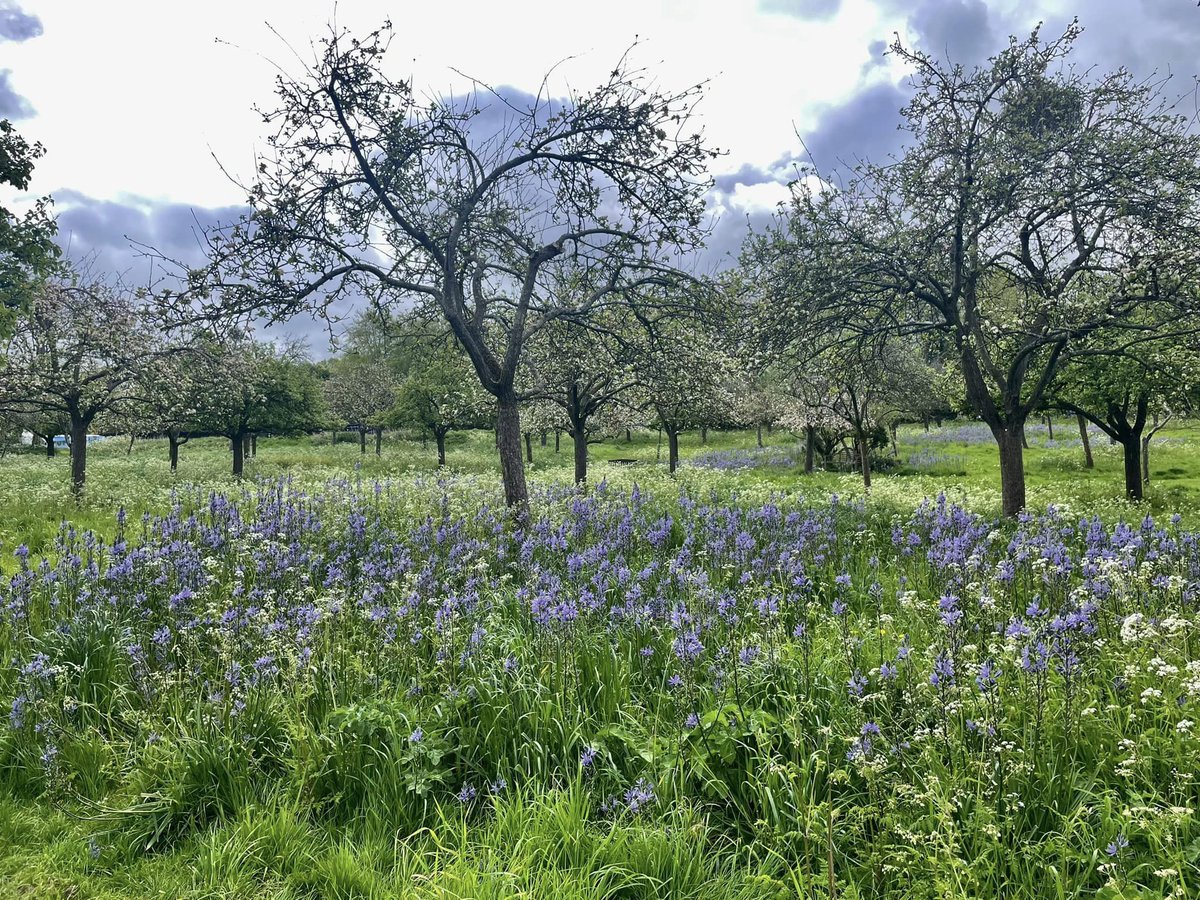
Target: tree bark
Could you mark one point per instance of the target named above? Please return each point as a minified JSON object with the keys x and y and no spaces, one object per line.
{"x":439,"y":435}
{"x":245,"y":445}
{"x":895,"y":448}
{"x":50,"y":446}
{"x":557,"y":439}
{"x":1146,"y":460}
{"x":672,"y":449}
{"x":238,"y":444}
{"x":863,"y":449}
{"x":628,"y":436}
{"x":174,"y":442}
{"x":79,"y":430}
{"x":529,"y":447}
{"x":544,"y":436}
{"x":703,"y":436}
{"x":579,"y":436}
{"x":508,"y":443}
{"x":1088,"y":461}
{"x":1024,"y":438}
{"x":362,"y":440}
{"x":810,"y":440}
{"x":379,"y":442}
{"x":1011,"y":441}
{"x":129,"y":449}
{"x":1132,"y":447}
{"x":254,"y":445}
{"x":758,"y":437}
{"x":1049,"y":428}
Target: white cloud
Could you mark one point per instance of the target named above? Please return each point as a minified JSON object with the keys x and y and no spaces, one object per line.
{"x":136,"y":96}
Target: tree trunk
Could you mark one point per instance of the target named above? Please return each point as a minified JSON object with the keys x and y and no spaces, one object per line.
{"x":508,"y":444}
{"x":810,"y":441}
{"x":758,"y":437}
{"x":173,"y":445}
{"x":439,"y":434}
{"x":1049,"y":428}
{"x":1024,"y":439}
{"x":1088,"y":461}
{"x":672,"y":450}
{"x":1011,"y":441}
{"x":129,"y":449}
{"x":50,"y":446}
{"x":245,"y":446}
{"x":1146,"y":460}
{"x":362,"y":440}
{"x":79,"y":429}
{"x":529,"y":447}
{"x":239,"y":454}
{"x":1132,"y":447}
{"x":557,"y":439}
{"x":658,"y":447}
{"x":579,"y":436}
{"x":379,"y":442}
{"x":628,"y":436}
{"x":703,"y":436}
{"x":863,"y":449}
{"x":895,"y":449}
{"x":254,"y":445}
{"x":544,"y":436}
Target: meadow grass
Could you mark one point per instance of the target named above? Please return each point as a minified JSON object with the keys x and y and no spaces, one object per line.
{"x":355,"y":677}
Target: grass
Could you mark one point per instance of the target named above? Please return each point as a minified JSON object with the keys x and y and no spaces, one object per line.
{"x":35,"y":495}
{"x":359,"y":681}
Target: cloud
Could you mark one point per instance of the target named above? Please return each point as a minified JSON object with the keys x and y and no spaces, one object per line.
{"x":863,"y":127}
{"x":959,"y":30}
{"x":16,"y":24}
{"x":12,"y":104}
{"x":107,"y":235}
{"x":802,"y":9}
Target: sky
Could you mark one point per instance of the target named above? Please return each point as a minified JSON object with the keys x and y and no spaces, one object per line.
{"x":147,"y":112}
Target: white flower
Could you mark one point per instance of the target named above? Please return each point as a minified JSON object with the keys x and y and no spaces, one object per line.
{"x":1184,"y":726}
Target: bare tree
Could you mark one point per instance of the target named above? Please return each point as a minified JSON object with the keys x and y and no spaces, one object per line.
{"x":467,"y":206}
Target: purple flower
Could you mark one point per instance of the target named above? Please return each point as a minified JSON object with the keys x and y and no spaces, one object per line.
{"x":466,"y":794}
{"x":639,"y":796}
{"x":687,"y":647}
{"x":943,"y":671}
{"x":587,"y":757}
{"x":987,"y":676}
{"x":417,"y":736}
{"x":1117,"y":845}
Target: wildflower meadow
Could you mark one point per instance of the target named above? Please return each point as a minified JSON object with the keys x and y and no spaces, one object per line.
{"x":384,"y":686}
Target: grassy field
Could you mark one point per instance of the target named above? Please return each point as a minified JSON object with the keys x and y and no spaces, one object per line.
{"x":352,"y":676}
{"x":958,"y":460}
